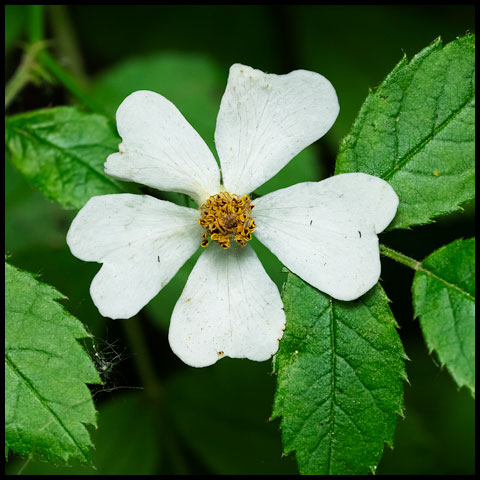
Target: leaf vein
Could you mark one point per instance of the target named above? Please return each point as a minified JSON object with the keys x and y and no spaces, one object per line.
{"x":423,"y":143}
{"x":29,"y":385}
{"x":24,"y":131}
{"x":448,"y":284}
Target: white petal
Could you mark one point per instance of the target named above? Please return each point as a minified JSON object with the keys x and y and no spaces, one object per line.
{"x":229,"y":307}
{"x":141,"y":241}
{"x":265,"y":120}
{"x":326,"y":232}
{"x":161,"y":149}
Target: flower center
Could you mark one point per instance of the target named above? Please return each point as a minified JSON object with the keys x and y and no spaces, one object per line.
{"x":224,"y":216}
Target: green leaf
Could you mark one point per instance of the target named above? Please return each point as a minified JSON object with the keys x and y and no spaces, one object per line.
{"x":417,"y":131}
{"x":47,"y":403}
{"x":62,"y":151}
{"x":340,"y":368}
{"x":444,"y":300}
{"x":127,"y":441}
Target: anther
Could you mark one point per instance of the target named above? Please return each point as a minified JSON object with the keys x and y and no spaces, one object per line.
{"x":226,"y":216}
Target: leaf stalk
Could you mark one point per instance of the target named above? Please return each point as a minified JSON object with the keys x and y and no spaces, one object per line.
{"x":400,"y":257}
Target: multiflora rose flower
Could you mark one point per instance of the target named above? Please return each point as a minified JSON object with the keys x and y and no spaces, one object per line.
{"x":325,"y":232}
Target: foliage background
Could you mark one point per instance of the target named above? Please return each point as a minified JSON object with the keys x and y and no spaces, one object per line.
{"x":219,"y":419}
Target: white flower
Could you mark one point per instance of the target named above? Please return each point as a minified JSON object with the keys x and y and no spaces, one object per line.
{"x":325,"y":232}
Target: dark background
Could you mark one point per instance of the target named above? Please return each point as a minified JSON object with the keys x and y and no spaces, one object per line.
{"x":215,"y":420}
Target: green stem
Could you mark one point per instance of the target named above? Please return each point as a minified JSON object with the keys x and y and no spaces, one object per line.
{"x":24,"y":72}
{"x":22,"y":75}
{"x":142,"y":359}
{"x":154,"y":392}
{"x":66,"y":42}
{"x":24,"y":466}
{"x":16,"y":84}
{"x":69,"y":82}
{"x":418,"y":266}
{"x":35,"y":23}
{"x":174,"y":452}
{"x":52,"y":66}
{"x":400,"y":258}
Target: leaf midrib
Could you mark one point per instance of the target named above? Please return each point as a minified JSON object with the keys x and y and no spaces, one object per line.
{"x":417,"y":149}
{"x":332,"y":402}
{"x":460,"y":341}
{"x":422,"y":269}
{"x":25,"y":131}
{"x":29,"y":385}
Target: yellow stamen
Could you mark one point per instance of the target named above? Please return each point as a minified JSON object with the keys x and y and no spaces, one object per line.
{"x":225,"y":216}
